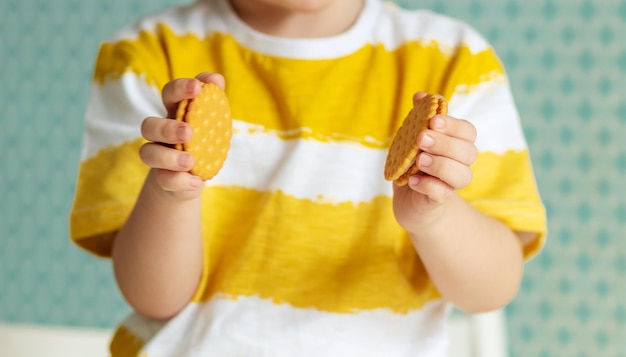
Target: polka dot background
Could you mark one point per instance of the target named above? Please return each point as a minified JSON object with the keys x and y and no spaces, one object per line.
{"x":567,"y":63}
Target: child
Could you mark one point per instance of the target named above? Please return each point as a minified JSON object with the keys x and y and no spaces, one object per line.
{"x":299,"y":247}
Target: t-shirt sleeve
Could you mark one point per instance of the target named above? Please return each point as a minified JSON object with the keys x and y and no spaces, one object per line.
{"x":504,"y":185}
{"x":128,"y":76}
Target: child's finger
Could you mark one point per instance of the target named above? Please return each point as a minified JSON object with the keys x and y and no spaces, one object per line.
{"x":177,"y":90}
{"x":178,"y":181}
{"x":161,"y":157}
{"x":165,"y":131}
{"x":458,"y":128}
{"x":215,"y":78}
{"x":436,"y":143}
{"x":418,"y":96}
{"x":187,"y":88}
{"x":435,"y":189}
{"x":452,"y":172}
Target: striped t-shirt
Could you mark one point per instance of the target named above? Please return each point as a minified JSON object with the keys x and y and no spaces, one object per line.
{"x":303,"y":256}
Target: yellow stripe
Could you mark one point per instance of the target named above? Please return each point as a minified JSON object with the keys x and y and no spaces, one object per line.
{"x":334,"y":257}
{"x":504,"y":187}
{"x":126,"y":344}
{"x":337,"y":257}
{"x":144,"y":56}
{"x":106,"y":190}
{"x":306,"y":98}
{"x":498,"y":175}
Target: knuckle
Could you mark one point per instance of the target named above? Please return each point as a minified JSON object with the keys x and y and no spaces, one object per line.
{"x":465,"y":178}
{"x":164,"y":132}
{"x":183,"y":86}
{"x":439,"y":191}
{"x":445,"y":193}
{"x":168,"y":88}
{"x":147,"y":154}
{"x":472,"y":155}
{"x":168,"y":129}
{"x":441,"y":141}
{"x":145,"y":127}
{"x":472,"y":132}
{"x":143,"y":152}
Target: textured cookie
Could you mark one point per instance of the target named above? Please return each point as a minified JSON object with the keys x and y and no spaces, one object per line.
{"x":208,"y":114}
{"x":400,"y":164}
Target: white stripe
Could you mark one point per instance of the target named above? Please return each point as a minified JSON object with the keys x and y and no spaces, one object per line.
{"x":303,"y":168}
{"x":306,"y":169}
{"x":250,"y":326}
{"x":378,"y":25}
{"x":257,"y":159}
{"x":491,"y":109}
{"x":200,"y":18}
{"x":115,"y":111}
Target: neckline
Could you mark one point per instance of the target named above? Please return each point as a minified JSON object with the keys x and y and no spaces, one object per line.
{"x":309,"y":48}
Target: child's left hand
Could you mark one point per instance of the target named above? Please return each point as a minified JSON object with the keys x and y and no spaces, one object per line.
{"x":448,"y":150}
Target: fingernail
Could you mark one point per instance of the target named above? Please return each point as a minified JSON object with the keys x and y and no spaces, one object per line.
{"x":439,"y":123}
{"x":203,"y":75}
{"x":427,"y":141}
{"x":184,"y":160}
{"x":414,"y":180}
{"x":195,"y":182}
{"x":181,"y":133}
{"x":191,"y":86}
{"x":425,"y":160}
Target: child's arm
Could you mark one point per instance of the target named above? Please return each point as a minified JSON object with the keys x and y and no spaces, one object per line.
{"x":475,"y":261}
{"x":157,"y":254}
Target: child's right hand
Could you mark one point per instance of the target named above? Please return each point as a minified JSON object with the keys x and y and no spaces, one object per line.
{"x":170,"y":167}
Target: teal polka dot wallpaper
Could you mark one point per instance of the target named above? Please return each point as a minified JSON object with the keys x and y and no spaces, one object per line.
{"x":567,"y":64}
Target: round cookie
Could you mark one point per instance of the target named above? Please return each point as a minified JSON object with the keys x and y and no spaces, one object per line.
{"x":400,"y":164}
{"x":208,"y":114}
